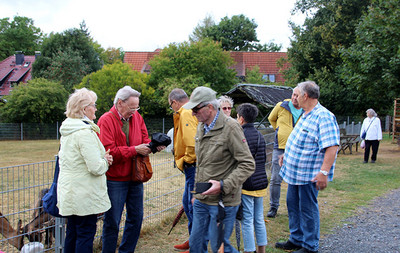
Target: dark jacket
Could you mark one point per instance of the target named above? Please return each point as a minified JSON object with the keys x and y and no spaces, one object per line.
{"x":259,"y":179}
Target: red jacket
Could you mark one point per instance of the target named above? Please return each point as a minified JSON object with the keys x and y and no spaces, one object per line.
{"x":113,"y":138}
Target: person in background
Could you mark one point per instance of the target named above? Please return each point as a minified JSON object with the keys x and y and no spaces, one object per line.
{"x":308,"y":165}
{"x":255,"y":187}
{"x":185,"y":125}
{"x":372,"y":126}
{"x":226,"y":105}
{"x":223,"y":160}
{"x":283,"y":118}
{"x":82,"y":187}
{"x":124,"y":133}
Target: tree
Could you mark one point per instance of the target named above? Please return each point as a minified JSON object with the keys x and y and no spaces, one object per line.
{"x":372,"y":63}
{"x":199,"y":31}
{"x":107,"y":81}
{"x":19,"y":35}
{"x":267,"y":47}
{"x":235,"y":34}
{"x":204,"y":59}
{"x":254,"y":76}
{"x":315,"y":49}
{"x":38,"y":101}
{"x":68,"y":68}
{"x":72,"y":42}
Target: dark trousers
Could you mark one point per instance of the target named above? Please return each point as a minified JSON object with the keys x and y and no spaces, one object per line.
{"x":80,"y":234}
{"x":368,"y":144}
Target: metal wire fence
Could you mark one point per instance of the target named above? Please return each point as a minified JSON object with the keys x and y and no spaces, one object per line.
{"x":21,"y":188}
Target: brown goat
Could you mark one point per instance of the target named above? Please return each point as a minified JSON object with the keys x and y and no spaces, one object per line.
{"x":34,"y":229}
{"x":14,"y":236}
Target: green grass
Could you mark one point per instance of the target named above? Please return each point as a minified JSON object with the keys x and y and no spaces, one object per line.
{"x":355,"y":184}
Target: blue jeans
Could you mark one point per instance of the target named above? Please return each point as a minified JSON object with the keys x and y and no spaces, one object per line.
{"x":253,"y":220}
{"x":121,"y":193}
{"x":302,"y":205}
{"x":190,"y":174}
{"x":276,"y":179}
{"x":205,"y":226}
{"x":80,"y":233}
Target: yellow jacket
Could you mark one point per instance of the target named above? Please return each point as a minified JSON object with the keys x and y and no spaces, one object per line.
{"x":281,"y":120}
{"x":185,"y":127}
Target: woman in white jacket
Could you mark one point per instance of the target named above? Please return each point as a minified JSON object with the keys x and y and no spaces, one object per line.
{"x":82,"y":188}
{"x":372,"y":127}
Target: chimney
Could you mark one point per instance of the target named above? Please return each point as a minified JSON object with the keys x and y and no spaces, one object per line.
{"x":19,"y":58}
{"x":37,"y":54}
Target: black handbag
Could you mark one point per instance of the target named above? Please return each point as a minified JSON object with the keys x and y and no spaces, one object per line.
{"x":50,"y":199}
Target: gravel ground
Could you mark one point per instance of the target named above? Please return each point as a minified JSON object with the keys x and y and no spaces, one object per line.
{"x":375,"y":229}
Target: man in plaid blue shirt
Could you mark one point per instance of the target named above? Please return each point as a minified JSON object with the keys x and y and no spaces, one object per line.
{"x":307,"y":166}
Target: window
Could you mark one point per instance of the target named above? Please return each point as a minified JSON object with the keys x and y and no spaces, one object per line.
{"x":269,"y":78}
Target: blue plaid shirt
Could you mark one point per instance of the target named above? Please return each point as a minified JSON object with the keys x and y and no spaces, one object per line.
{"x":208,"y":128}
{"x":305,"y":148}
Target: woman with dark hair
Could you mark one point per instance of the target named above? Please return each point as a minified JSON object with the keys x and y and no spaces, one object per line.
{"x":255,"y":187}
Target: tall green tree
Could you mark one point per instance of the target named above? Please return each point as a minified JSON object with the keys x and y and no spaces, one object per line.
{"x":235,"y":34}
{"x":202,"y":60}
{"x":73,"y":42}
{"x":200,"y":31}
{"x":38,"y":101}
{"x":372,"y":63}
{"x":19,"y":35}
{"x":315,"y":49}
{"x":254,"y":76}
{"x":107,"y":81}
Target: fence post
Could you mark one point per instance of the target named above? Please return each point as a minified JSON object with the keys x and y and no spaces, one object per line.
{"x":22,"y":132}
{"x":163,"y":125}
{"x":59,"y":231}
{"x":57,"y":130}
{"x":387,"y":123}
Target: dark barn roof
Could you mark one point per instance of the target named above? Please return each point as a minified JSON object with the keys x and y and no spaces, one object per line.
{"x":266,"y":95}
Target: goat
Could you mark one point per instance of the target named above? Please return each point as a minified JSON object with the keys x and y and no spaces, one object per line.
{"x":14,"y":236}
{"x":34,"y":229}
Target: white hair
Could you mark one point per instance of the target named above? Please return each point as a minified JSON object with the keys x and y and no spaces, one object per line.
{"x":125,"y":93}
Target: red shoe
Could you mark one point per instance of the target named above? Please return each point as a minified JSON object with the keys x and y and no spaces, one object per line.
{"x":183,"y":246}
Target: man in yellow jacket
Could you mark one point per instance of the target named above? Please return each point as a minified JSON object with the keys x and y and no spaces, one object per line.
{"x":283,"y":118}
{"x":185,"y":127}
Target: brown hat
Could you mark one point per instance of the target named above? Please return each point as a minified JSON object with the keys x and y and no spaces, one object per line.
{"x":199,"y":95}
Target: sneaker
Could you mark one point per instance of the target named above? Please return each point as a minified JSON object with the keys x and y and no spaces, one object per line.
{"x":365,"y":161}
{"x":183,"y":246}
{"x":372,"y":161}
{"x":272,"y":212}
{"x":304,"y":250}
{"x":288,"y":245}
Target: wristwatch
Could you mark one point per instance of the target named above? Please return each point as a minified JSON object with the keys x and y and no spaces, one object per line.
{"x":324,"y":172}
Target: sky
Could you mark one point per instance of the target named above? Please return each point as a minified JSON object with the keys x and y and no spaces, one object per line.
{"x":147,"y":25}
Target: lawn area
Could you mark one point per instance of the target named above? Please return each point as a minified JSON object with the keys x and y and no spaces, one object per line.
{"x":355,"y":184}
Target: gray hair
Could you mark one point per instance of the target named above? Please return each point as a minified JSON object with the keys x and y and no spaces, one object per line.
{"x":178,"y":95}
{"x":125,"y":93}
{"x":77,"y":101}
{"x":214,"y":103}
{"x":223,"y":99}
{"x":309,"y":87}
{"x":372,"y":112}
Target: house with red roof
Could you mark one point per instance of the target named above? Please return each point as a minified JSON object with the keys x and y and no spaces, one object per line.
{"x":244,"y":61}
{"x":13,"y":70}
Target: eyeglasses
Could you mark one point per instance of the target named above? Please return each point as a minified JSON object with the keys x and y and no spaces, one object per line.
{"x":170,"y":105}
{"x":197,"y":109}
{"x":226,"y":108}
{"x":132,"y":109}
{"x":94,"y":105}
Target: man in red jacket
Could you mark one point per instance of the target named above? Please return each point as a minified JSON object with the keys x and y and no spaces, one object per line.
{"x":123,"y":132}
